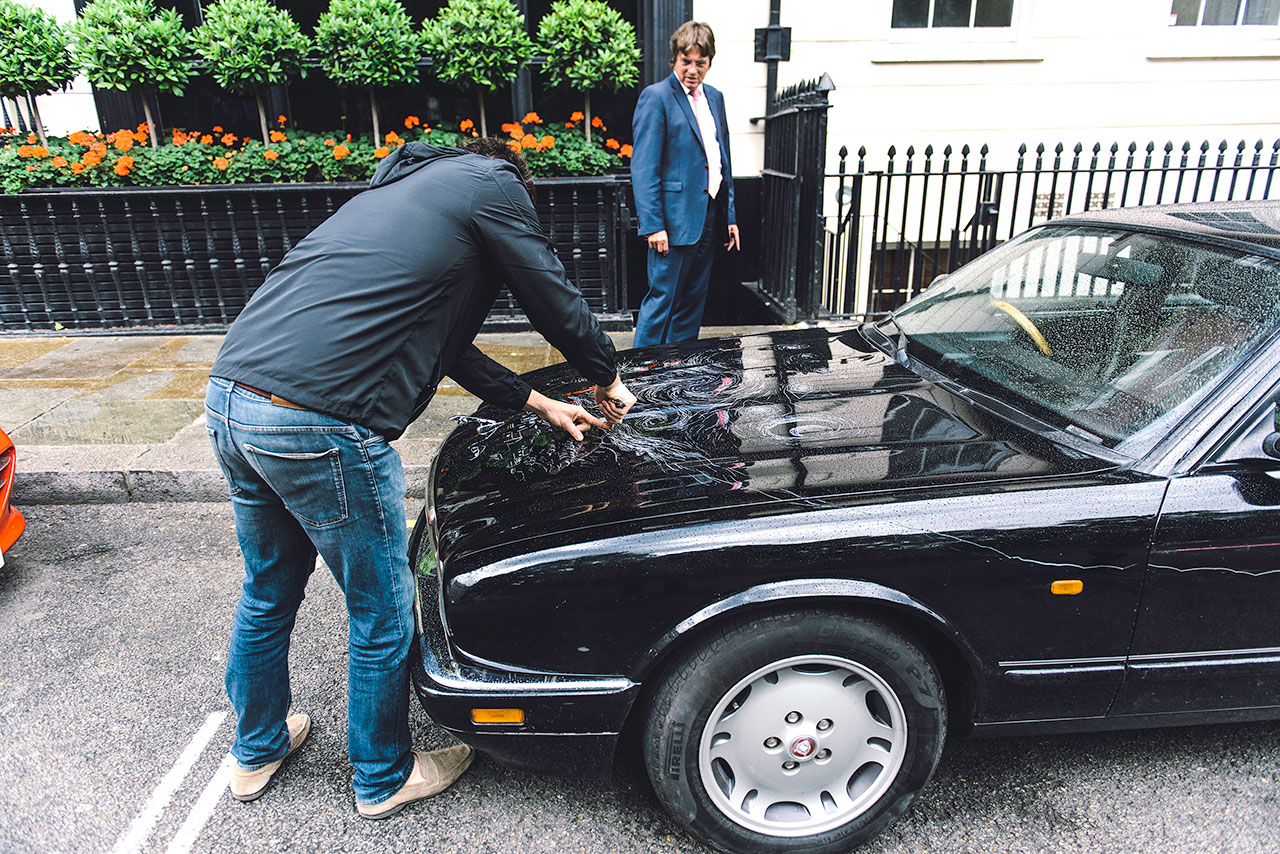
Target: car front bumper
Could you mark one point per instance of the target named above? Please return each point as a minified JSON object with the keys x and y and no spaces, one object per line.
{"x":571,"y":721}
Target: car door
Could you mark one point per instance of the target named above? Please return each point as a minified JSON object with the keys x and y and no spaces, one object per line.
{"x":1208,"y":630}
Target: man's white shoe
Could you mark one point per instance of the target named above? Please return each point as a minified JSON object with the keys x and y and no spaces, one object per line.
{"x":432,"y":773}
{"x":249,"y":785}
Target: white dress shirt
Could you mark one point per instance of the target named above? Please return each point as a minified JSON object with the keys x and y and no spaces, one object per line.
{"x":707,"y":126}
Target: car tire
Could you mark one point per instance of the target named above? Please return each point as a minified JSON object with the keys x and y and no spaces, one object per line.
{"x":800,"y":731}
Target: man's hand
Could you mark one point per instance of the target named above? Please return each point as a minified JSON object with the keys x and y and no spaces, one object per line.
{"x":569,"y":417}
{"x":615,"y":400}
{"x":734,"y":241}
{"x":659,"y":243}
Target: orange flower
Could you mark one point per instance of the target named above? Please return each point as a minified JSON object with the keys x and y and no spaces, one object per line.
{"x":123,"y":165}
{"x":516,"y":132}
{"x":515,"y":145}
{"x":123,"y":141}
{"x":31,"y":168}
{"x":59,"y":162}
{"x":221,"y":163}
{"x":80,"y":138}
{"x":281,"y":120}
{"x":302,"y":142}
{"x":596,"y":123}
{"x":143,"y":133}
{"x":32,"y":139}
{"x":466,"y":125}
{"x":512,"y":126}
{"x":32,"y":151}
{"x":612,"y":143}
{"x":548,"y":141}
{"x":77,"y":167}
{"x":625,"y":151}
{"x":99,"y":148}
{"x":411,"y":122}
{"x":271,"y":154}
{"x":331,"y":141}
{"x":180,"y":138}
{"x":568,"y":124}
{"x":391,"y":137}
{"x":576,"y":116}
{"x":206,"y":139}
{"x":348,"y":137}
{"x":528,"y":141}
{"x":532,"y":119}
{"x":91,"y":158}
{"x":229,"y":139}
{"x":340,"y":151}
{"x":217,"y":128}
{"x":381,"y":151}
{"x":276,"y":136}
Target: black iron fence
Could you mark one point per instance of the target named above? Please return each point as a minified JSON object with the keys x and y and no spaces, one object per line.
{"x":795,"y":144}
{"x":890,"y":231}
{"x":188,"y":258}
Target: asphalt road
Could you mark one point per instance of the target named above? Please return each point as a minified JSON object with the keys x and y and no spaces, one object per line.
{"x":113,"y":627}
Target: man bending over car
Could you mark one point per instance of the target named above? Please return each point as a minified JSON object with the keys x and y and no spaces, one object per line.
{"x":339,"y":350}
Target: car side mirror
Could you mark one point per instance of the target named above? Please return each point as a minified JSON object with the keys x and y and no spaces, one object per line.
{"x":1271,"y":444}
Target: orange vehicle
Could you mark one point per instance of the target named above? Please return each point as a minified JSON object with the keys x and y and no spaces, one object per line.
{"x":11,"y":522}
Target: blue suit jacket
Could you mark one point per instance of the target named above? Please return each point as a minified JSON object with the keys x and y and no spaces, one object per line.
{"x":668,"y":163}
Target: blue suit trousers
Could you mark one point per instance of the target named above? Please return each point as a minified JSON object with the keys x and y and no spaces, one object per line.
{"x":672,"y":309}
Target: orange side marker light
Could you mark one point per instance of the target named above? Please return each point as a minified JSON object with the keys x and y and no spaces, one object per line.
{"x":1067,"y":587}
{"x":497,"y":716}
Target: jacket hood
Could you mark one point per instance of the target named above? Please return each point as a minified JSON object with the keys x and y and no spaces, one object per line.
{"x":409,"y":158}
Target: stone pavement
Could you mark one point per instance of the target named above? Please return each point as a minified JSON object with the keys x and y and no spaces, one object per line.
{"x":111,"y":419}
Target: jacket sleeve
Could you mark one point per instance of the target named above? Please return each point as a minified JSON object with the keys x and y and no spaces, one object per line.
{"x":648,"y":138}
{"x":512,"y":237}
{"x":488,"y":380}
{"x":728,"y":162}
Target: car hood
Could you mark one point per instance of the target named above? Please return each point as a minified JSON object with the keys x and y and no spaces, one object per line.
{"x":723,"y":429}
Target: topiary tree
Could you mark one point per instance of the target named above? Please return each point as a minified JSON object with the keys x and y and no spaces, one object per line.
{"x":368,"y":44}
{"x":588,"y":46}
{"x":129,"y":46}
{"x":250,"y":45}
{"x":478,"y":44}
{"x":35,"y":57}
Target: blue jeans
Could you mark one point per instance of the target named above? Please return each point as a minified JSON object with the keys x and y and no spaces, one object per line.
{"x":303,"y":483}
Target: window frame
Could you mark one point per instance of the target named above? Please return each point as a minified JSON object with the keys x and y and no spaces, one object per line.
{"x":958,"y":35}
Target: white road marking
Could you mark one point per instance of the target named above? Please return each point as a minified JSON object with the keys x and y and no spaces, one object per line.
{"x":185,"y":838}
{"x":146,"y":820}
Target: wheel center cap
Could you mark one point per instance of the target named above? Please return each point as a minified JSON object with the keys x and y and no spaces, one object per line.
{"x":803,"y":747}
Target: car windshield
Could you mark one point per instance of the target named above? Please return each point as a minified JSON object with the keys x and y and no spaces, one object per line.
{"x":1109,"y":332}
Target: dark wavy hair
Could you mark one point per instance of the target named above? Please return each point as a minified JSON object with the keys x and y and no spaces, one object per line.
{"x":498,"y":149}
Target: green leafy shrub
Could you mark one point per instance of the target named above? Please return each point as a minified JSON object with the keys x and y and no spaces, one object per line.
{"x":368,"y":44}
{"x":35,"y":56}
{"x":217,"y":157}
{"x":477,"y":44}
{"x":250,"y":45}
{"x":129,"y":46}
{"x":589,"y":45}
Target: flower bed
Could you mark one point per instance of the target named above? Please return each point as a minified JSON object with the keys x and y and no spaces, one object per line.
{"x":123,"y":158}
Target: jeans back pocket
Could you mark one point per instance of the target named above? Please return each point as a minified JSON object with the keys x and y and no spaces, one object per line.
{"x":308,"y":482}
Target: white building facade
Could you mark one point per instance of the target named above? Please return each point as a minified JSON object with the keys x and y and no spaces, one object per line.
{"x":1008,"y":72}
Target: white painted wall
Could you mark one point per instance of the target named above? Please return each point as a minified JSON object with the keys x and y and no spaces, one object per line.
{"x":1074,"y":71}
{"x":72,"y":110}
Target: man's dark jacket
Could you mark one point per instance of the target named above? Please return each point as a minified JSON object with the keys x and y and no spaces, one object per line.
{"x":363,"y":318}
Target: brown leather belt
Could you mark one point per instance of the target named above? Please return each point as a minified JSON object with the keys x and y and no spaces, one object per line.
{"x":274,"y":398}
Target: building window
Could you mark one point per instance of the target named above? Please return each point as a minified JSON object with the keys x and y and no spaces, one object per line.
{"x":937,"y":14}
{"x":1222,"y":13}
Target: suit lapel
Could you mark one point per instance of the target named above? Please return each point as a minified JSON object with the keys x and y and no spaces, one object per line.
{"x":682,"y":100}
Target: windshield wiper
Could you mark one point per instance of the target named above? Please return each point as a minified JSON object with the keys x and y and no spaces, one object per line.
{"x":874,"y":334}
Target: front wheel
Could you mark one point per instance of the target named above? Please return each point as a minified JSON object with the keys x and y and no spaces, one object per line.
{"x":801,"y":731}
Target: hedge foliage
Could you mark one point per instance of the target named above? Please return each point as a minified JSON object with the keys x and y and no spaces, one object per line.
{"x":216,"y":156}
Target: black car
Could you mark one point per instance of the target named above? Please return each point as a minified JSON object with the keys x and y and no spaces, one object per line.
{"x":1041,"y":497}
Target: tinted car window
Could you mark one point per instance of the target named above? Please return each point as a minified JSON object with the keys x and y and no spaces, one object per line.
{"x":1110,"y":332}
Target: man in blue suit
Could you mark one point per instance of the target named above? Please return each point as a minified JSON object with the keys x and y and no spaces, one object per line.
{"x":681,"y":173}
